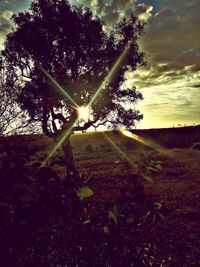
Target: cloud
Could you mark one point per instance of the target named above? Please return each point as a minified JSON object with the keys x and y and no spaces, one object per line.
{"x":111,"y":11}
{"x":172,"y":49}
{"x":143,"y":11}
{"x":10,"y":2}
{"x":170,"y":81}
{"x":5,"y":24}
{"x":166,"y":106}
{"x":171,"y":43}
{"x":196,"y":86}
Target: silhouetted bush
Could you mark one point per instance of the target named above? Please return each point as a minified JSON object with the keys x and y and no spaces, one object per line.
{"x":45,"y":221}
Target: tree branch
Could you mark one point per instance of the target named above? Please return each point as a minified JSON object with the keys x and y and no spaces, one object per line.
{"x":85,"y":126}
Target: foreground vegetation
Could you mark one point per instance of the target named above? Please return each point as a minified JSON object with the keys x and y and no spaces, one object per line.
{"x":119,"y":214}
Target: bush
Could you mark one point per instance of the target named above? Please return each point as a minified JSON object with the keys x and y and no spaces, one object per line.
{"x":46,"y":222}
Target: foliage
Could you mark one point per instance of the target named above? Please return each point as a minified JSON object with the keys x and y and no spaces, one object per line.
{"x":12,"y":118}
{"x":73,"y":47}
{"x":46,"y":220}
{"x":84,"y":192}
{"x":148,"y":167}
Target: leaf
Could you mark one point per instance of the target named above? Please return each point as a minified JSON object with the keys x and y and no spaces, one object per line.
{"x":161,"y":215}
{"x":106,"y":229}
{"x":158,"y":167}
{"x":157,"y":205}
{"x":84,"y":192}
{"x":148,"y":179}
{"x":86,"y":222}
{"x":152,"y":169}
{"x":154,"y":165}
{"x":111,"y":215}
{"x":158,"y":162}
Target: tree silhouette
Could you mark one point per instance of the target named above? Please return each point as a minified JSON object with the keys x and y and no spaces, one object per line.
{"x":13,"y":120}
{"x":72,"y":46}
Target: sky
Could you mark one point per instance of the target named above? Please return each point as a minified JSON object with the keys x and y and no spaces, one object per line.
{"x":170,"y":82}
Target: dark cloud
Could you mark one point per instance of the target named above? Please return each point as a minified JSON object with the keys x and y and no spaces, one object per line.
{"x":114,"y":10}
{"x":196,"y":86}
{"x":170,"y":81}
{"x":172,"y":43}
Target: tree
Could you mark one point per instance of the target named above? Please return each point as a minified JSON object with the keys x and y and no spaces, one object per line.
{"x":72,"y":46}
{"x":13,"y":120}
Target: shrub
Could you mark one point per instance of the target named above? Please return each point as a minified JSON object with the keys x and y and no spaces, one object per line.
{"x":47,"y":222}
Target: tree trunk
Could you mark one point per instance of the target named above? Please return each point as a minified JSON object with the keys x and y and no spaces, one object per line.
{"x":72,"y":172}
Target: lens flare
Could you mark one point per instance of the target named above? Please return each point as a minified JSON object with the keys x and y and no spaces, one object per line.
{"x":111,"y":73}
{"x":84,"y":113}
{"x":121,"y":152}
{"x":62,"y":139}
{"x":147,"y":143}
{"x":57,"y":86}
{"x":135,"y":137}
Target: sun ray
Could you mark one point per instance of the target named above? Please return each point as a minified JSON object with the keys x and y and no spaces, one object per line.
{"x":84,"y":113}
{"x":58,"y":87}
{"x":111,"y":73}
{"x":62,"y":139}
{"x":136,"y":137}
{"x":148,"y":143}
{"x":119,"y":150}
{"x":101,"y":87}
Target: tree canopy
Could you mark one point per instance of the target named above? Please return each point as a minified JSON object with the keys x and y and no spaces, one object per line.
{"x":76,"y":49}
{"x":13,"y":120}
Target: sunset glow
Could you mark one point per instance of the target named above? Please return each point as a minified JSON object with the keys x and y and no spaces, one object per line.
{"x":84,"y":113}
{"x":170,"y":81}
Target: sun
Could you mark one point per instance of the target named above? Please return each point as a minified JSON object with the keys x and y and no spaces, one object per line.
{"x":84,"y":113}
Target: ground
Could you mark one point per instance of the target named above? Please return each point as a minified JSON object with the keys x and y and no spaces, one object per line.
{"x":176,"y":186}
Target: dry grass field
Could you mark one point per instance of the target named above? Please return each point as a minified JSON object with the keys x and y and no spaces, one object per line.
{"x":102,"y":165}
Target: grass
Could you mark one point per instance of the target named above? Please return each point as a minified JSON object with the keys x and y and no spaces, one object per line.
{"x":176,"y":186}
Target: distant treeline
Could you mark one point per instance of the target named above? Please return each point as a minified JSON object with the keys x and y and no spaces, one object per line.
{"x":180,"y":137}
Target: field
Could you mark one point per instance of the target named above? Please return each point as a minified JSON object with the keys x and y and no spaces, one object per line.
{"x":101,"y":159}
{"x":176,"y":187}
